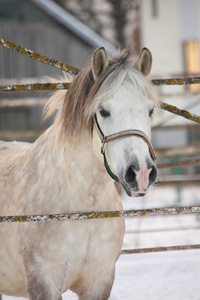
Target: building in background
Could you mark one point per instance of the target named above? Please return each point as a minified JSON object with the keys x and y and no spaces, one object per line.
{"x":171,"y":30}
{"x":41,"y":26}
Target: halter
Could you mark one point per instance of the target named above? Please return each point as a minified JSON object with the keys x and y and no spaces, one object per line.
{"x":120,"y":135}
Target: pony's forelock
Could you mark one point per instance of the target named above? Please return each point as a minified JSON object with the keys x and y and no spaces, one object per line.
{"x":115,"y":79}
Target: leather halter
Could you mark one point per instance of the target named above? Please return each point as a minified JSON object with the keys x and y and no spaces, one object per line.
{"x":120,"y":135}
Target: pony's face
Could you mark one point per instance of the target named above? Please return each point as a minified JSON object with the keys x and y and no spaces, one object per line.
{"x":129,"y":157}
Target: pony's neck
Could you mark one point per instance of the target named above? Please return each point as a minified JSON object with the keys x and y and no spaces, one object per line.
{"x":75,"y":176}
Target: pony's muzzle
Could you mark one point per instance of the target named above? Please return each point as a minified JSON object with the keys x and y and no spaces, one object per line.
{"x":138,"y":179}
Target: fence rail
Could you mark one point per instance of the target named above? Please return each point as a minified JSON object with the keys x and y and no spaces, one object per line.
{"x":178,"y":163}
{"x":102,"y":214}
{"x":107,"y":214}
{"x":176,"y":81}
{"x":160,"y":249}
{"x":51,"y":86}
{"x":39,"y":57}
{"x":21,"y":102}
{"x":34,"y":87}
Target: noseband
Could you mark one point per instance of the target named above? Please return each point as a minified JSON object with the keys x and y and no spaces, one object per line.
{"x":120,"y":135}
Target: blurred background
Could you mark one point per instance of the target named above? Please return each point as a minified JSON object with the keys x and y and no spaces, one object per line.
{"x":69,"y":30}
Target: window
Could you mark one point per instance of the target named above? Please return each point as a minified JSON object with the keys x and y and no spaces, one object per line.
{"x":20,"y":10}
{"x":192,"y":62}
{"x":154,"y":7}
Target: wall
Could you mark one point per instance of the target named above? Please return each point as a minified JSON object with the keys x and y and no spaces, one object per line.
{"x":44,"y":37}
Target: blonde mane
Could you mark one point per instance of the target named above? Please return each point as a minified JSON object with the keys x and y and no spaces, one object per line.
{"x":78,"y":104}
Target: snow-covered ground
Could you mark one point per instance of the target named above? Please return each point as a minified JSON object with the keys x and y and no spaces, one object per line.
{"x":158,"y":276}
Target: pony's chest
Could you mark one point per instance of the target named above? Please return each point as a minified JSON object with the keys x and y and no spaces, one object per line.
{"x":84,"y":235}
{"x":77,"y":240}
{"x":92,"y":245}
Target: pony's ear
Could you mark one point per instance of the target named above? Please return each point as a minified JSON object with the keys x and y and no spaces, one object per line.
{"x":144,"y":62}
{"x":99,"y":62}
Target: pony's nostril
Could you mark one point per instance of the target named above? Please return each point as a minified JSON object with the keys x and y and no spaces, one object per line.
{"x":153,"y":174}
{"x":130,"y":176}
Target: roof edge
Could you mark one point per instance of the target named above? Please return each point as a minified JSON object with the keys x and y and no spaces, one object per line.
{"x":68,"y":21}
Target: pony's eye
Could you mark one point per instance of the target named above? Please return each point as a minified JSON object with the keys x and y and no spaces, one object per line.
{"x":104,"y":113}
{"x":151,"y":112}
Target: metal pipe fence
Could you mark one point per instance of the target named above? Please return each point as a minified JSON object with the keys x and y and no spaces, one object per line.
{"x":104,"y":214}
{"x":160,"y":249}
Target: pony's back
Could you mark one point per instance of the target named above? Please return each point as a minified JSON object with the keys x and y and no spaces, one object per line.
{"x":13,"y":146}
{"x":10,"y":155}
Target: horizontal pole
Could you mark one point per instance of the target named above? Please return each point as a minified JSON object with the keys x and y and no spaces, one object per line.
{"x":178,"y":183}
{"x":178,"y":163}
{"x":34,"y":87}
{"x":187,"y":151}
{"x":176,"y":127}
{"x":101,"y":215}
{"x":160,"y":249}
{"x":23,"y":102}
{"x":176,"y":81}
{"x":181,"y":183}
{"x":153,"y":230}
{"x":20,"y":134}
{"x":39,"y":57}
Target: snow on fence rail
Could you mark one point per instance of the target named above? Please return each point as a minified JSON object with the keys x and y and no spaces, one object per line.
{"x":106,"y":214}
{"x":102,"y":214}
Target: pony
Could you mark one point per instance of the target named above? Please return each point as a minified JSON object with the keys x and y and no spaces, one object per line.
{"x":100,"y":135}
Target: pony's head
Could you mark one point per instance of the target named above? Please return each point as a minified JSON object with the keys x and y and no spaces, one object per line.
{"x":123,"y":119}
{"x":115,"y":98}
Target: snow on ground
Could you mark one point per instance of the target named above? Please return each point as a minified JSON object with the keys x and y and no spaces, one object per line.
{"x":158,"y":276}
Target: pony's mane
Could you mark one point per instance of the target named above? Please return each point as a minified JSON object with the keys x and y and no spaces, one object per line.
{"x":78,"y":104}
